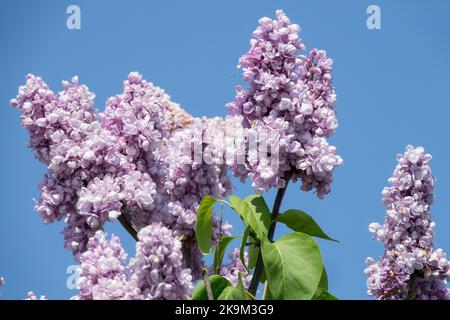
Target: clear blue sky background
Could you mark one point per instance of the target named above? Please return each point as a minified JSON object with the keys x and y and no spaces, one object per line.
{"x":392,"y":89}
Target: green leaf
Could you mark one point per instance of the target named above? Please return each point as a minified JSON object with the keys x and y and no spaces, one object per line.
{"x":252,"y":214}
{"x":240,"y":285}
{"x":322,"y":294}
{"x":300,"y":221}
{"x":259,"y":206}
{"x":293,"y":266}
{"x":218,"y":285}
{"x":221,"y":247}
{"x":249,"y":296}
{"x":234,"y":293}
{"x":230,"y":293}
{"x":203,"y":227}
{"x":253,"y":253}
{"x":242,"y":248}
{"x":324,"y":280}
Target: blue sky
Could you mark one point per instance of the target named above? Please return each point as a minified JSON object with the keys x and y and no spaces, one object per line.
{"x":392,"y":89}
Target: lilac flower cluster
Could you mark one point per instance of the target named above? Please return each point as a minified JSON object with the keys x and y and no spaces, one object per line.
{"x":293,"y":96}
{"x":159,"y":265}
{"x":102,"y":271}
{"x":121,"y":160}
{"x":156,"y":272}
{"x":145,"y":160}
{"x":411,"y":268}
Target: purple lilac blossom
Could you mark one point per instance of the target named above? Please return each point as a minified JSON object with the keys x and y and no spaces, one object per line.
{"x":121,"y":160}
{"x":127,"y":158}
{"x":158,"y":265}
{"x":411,"y":267}
{"x":103,"y":273}
{"x":292,"y":95}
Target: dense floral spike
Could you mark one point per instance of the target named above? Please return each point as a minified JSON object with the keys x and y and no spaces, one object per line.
{"x":411,"y":268}
{"x":103,"y":271}
{"x":137,"y":116}
{"x":51,"y":118}
{"x":292,"y":96}
{"x":159,"y":266}
{"x":124,"y":160}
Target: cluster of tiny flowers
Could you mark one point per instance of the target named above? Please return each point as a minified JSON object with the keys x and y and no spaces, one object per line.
{"x":122,"y":160}
{"x":103,"y":271}
{"x":137,"y":116}
{"x":411,"y":268}
{"x":67,"y":137}
{"x":293,"y":96}
{"x":146,"y":158}
{"x":235,"y":267}
{"x":158,"y":265}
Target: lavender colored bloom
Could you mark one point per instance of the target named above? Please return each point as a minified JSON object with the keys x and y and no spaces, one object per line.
{"x":293,"y":96}
{"x":137,"y":116}
{"x":103,"y":273}
{"x":158,"y":265}
{"x":411,"y":267}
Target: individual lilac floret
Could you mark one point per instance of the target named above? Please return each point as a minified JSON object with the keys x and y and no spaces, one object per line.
{"x":103,"y":271}
{"x":232,"y":269}
{"x":293,"y":96}
{"x":411,"y":268}
{"x":159,"y":266}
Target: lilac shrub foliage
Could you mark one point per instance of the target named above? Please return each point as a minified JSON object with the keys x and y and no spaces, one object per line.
{"x":411,"y":267}
{"x":125,"y":163}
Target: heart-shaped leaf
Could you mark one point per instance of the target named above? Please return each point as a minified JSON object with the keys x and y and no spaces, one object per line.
{"x":293,"y":266}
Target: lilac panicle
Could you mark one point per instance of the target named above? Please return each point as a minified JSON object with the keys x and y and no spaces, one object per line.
{"x":158,"y":265}
{"x":411,"y":267}
{"x":292,"y":95}
{"x":103,"y":271}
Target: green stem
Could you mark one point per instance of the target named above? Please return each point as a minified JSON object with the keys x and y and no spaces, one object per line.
{"x":207,"y":284}
{"x":275,"y":212}
{"x":266,"y":287}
